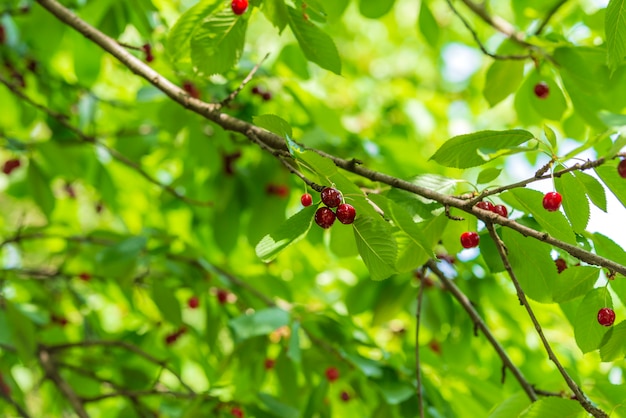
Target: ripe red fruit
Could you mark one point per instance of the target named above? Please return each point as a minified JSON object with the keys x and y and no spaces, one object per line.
{"x":552,"y":201}
{"x":606,"y":317}
{"x":485,"y":205}
{"x":222,"y":296}
{"x":279,"y":190}
{"x":191,"y":89}
{"x":2,"y":35}
{"x":469,"y":239}
{"x":345,"y":396}
{"x":84,"y":276}
{"x":306,"y":200}
{"x":267,"y":96}
{"x":10,"y":165}
{"x":621,"y":169}
{"x":256,"y":90}
{"x":501,"y":210}
{"x":193,"y":302}
{"x":147,"y":49}
{"x":542,"y":90}
{"x":324,"y":217}
{"x":332,"y":374}
{"x":269,"y":363}
{"x":331,"y":197}
{"x":346,"y":213}
{"x":171,"y":338}
{"x":239,"y":6}
{"x":560,"y":264}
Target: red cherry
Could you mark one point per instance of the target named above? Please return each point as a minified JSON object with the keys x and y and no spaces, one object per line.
{"x":542,"y":90}
{"x":346,"y":213}
{"x":469,"y":239}
{"x":345,"y":396}
{"x":2,"y":35}
{"x":269,"y":363}
{"x":501,"y":210}
{"x":147,"y":49}
{"x":324,"y":217}
{"x":279,"y":190}
{"x":222,"y":296}
{"x":621,"y":169}
{"x":256,"y":90}
{"x":239,"y":6}
{"x":84,"y":276}
{"x":193,"y":302}
{"x":10,"y":165}
{"x":191,"y":89}
{"x":606,"y":317}
{"x":560,"y":264}
{"x":332,"y":374}
{"x":171,"y":338}
{"x":485,"y":205}
{"x":306,"y":200}
{"x":552,"y":201}
{"x":267,"y":96}
{"x":331,"y":197}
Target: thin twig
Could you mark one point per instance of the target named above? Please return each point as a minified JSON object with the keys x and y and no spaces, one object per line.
{"x":548,"y":16}
{"x":480,"y":324}
{"x":582,"y":399}
{"x":7,"y":398}
{"x":418,"y":321}
{"x":245,"y":81}
{"x":497,"y":23}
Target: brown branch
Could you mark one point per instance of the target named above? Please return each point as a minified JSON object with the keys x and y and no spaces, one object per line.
{"x":498,"y":23}
{"x":141,"y":393}
{"x":549,"y":16}
{"x":48,"y":365}
{"x":245,"y":81}
{"x":580,"y":396}
{"x":480,"y":324}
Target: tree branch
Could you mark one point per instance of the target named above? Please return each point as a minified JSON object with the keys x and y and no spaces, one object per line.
{"x":548,"y":16}
{"x":480,"y":324}
{"x":582,"y":399}
{"x":497,"y":23}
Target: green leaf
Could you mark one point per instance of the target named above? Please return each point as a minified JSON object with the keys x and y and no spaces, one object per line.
{"x":317,"y":46}
{"x":488,"y":175}
{"x":551,"y":107}
{"x":550,"y":136}
{"x":609,"y":176}
{"x":614,"y":120}
{"x":23,"y":333}
{"x":277,"y":408}
{"x":464,"y":151}
{"x":593,"y":188}
{"x":503,"y":78}
{"x":40,"y":189}
{"x":291,"y":231}
{"x":532,"y":264}
{"x":615,"y":347}
{"x":217,"y":45}
{"x":167,"y":303}
{"x":588,"y":332}
{"x":293,"y":352}
{"x":512,"y":407}
{"x":276,"y":12}
{"x":574,"y":282}
{"x":321,"y":165}
{"x":575,"y":204}
{"x":428,"y":25}
{"x":530,"y":201}
{"x":608,"y":248}
{"x":120,"y":259}
{"x":274,"y":124}
{"x":554,"y":407}
{"x":261,"y":322}
{"x":615,"y":28}
{"x":375,"y":9}
{"x":178,"y":42}
{"x":377,"y":247}
{"x":489,"y":252}
{"x":316,"y":399}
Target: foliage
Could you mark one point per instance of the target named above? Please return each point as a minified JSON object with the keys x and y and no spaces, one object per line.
{"x":156,"y":260}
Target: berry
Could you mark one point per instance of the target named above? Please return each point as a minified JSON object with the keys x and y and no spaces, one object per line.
{"x":332,"y":374}
{"x":541,"y":90}
{"x":84,"y":276}
{"x":560,"y":264}
{"x":191,"y":89}
{"x":345,"y":396}
{"x":229,"y":160}
{"x":306,"y":200}
{"x":171,"y":338}
{"x":193,"y":302}
{"x":606,"y":317}
{"x":279,"y":190}
{"x":269,"y":363}
{"x":324,"y":217}
{"x":501,"y":210}
{"x":267,"y":96}
{"x":621,"y":169}
{"x":222,"y":296}
{"x":469,"y":239}
{"x":346,"y":213}
{"x":256,"y":90}
{"x":485,"y":205}
{"x":435,"y":347}
{"x":147,"y":49}
{"x":236,"y":412}
{"x":331,"y":197}
{"x":10,"y":165}
{"x":239,"y":6}
{"x":2,"y":35}
{"x":31,"y":65}
{"x":552,"y":201}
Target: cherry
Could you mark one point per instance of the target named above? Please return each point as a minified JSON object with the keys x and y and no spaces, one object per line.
{"x":345,"y":396}
{"x":485,"y":205}
{"x":229,"y":160}
{"x":147,"y":49}
{"x":434,"y":346}
{"x":269,"y":363}
{"x":236,"y":411}
{"x":606,"y":317}
{"x":346,"y":213}
{"x":306,"y":200}
{"x":560,"y":264}
{"x":222,"y":296}
{"x":469,"y":239}
{"x":256,"y":90}
{"x":171,"y":338}
{"x":61,"y":320}
{"x":324,"y":217}
{"x":332,"y":374}
{"x":193,"y":302}
{"x":10,"y":165}
{"x":3,"y":36}
{"x":267,"y":96}
{"x":191,"y":89}
{"x":501,"y":210}
{"x":279,"y":190}
{"x":84,"y":276}
{"x":239,"y":6}
{"x":552,"y":201}
{"x":331,"y":197}
{"x":542,"y":90}
{"x":621,"y":169}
